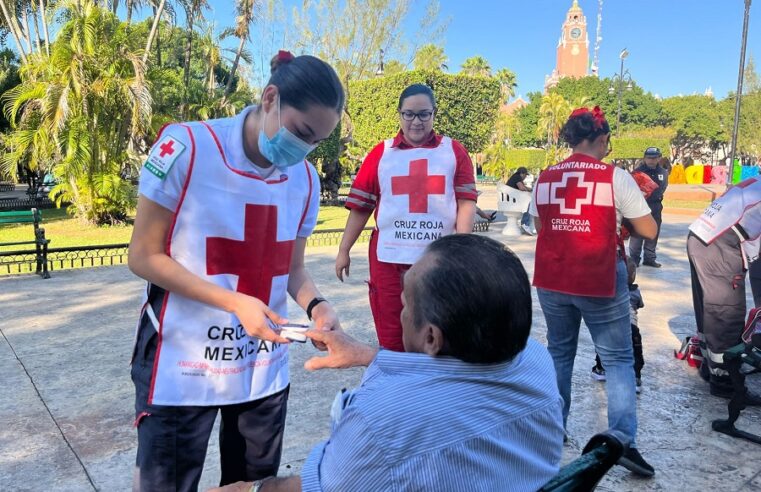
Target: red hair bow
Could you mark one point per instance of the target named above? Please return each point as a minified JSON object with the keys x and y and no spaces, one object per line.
{"x":284,"y":56}
{"x":597,"y":114}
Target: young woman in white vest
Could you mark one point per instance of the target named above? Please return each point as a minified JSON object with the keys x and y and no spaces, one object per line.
{"x":722,"y":245}
{"x":580,"y":269}
{"x":421,"y":186}
{"x":224,"y":212}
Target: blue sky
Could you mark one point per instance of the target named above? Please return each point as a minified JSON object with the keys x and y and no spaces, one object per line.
{"x":676,"y":46}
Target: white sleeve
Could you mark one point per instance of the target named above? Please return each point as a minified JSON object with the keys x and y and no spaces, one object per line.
{"x":627,"y":196}
{"x":163,"y":175}
{"x":313,"y":207}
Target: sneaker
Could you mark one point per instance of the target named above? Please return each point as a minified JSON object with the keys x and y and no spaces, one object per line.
{"x":527,"y":230}
{"x":638,"y":388}
{"x":651,"y":263}
{"x":598,"y":373}
{"x":635,"y":463}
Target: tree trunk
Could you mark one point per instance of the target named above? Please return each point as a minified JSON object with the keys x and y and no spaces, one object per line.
{"x":27,"y":33}
{"x":114,"y":6}
{"x":229,"y":87}
{"x":37,"y":40}
{"x":186,"y":65}
{"x":130,"y":6}
{"x":154,"y":29}
{"x":45,"y":27}
{"x":12,"y":28}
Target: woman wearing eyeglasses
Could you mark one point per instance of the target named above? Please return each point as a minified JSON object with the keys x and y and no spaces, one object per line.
{"x":421,"y":186}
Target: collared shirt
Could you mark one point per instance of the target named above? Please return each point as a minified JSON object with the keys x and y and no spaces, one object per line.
{"x":437,"y":423}
{"x":365,"y":191}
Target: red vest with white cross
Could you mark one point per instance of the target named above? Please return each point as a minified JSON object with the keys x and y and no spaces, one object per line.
{"x":418,"y":203}
{"x":235,"y":230}
{"x":576,"y":251}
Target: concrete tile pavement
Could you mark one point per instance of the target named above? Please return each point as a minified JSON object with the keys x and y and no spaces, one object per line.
{"x":73,"y":334}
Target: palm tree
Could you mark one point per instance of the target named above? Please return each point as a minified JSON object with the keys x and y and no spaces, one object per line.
{"x":553,"y":113}
{"x":430,"y":57}
{"x":507,"y":83}
{"x":193,"y":10}
{"x":79,"y":113}
{"x":159,"y":10}
{"x":476,"y":66}
{"x":246,"y":13}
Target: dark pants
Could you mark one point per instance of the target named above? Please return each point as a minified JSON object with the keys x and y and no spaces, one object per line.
{"x":718,"y":295}
{"x":172,"y":440}
{"x":639,"y":358}
{"x":636,"y":243}
{"x":754,"y":273}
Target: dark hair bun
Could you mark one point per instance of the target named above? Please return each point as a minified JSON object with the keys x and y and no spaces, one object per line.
{"x":582,"y":127}
{"x":282,"y":58}
{"x":305,"y":80}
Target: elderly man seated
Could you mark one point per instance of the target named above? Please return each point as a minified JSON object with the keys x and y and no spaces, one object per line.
{"x":473,"y":403}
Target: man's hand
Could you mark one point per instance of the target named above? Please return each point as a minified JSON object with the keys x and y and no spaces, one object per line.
{"x":233,"y":487}
{"x":343,"y":351}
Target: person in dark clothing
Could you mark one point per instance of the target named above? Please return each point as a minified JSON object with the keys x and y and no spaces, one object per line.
{"x":635,"y":304}
{"x":652,"y":168}
{"x":517,"y":181}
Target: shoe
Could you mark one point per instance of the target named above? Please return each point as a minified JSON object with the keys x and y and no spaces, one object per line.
{"x":651,"y":263}
{"x":492,"y":217}
{"x":635,"y":463}
{"x":598,"y":373}
{"x":638,"y":387}
{"x":751,"y":399}
{"x":526,"y":229}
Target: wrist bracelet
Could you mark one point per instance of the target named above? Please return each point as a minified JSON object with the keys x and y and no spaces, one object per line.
{"x":257,"y":485}
{"x":314,"y":302}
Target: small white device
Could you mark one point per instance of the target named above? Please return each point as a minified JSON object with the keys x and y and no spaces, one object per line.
{"x":294,"y":332}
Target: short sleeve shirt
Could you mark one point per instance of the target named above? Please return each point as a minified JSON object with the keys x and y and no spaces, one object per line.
{"x":167,"y":191}
{"x":365,"y":191}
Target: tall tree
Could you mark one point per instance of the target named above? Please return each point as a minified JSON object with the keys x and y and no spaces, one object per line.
{"x":507,"y":81}
{"x":752,"y":82}
{"x":246,"y":10}
{"x":430,"y":57}
{"x":159,"y":10}
{"x":477,"y":66}
{"x":193,"y":10}
{"x":553,"y":114}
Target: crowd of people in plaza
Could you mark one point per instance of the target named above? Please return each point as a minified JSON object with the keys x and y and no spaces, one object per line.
{"x":457,"y":395}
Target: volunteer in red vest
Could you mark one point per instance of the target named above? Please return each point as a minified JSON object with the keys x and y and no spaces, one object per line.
{"x":580,"y":270}
{"x":722,"y":244}
{"x":224,"y":212}
{"x":421,"y":187}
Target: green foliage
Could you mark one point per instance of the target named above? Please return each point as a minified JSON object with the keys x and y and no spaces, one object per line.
{"x":698,"y":125}
{"x":329,"y":149}
{"x":476,"y":66}
{"x":467,"y":107}
{"x":528,"y":122}
{"x":501,"y":161}
{"x":430,"y":57}
{"x":634,"y":148}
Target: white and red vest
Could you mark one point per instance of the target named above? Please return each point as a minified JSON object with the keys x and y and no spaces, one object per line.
{"x":418,"y":203}
{"x":740,"y":205}
{"x":577,"y":246}
{"x":236,"y":230}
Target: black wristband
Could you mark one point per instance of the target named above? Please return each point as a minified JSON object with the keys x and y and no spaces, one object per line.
{"x":312,"y":304}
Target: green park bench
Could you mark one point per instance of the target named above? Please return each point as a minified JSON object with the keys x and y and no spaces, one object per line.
{"x":585,"y":472}
{"x":33,"y":216}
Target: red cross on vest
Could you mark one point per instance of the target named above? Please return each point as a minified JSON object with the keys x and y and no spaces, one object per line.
{"x":167,"y":148}
{"x":418,"y":185}
{"x":257,"y":259}
{"x":571,"y":193}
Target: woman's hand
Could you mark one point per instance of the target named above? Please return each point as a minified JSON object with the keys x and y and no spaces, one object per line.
{"x":325,"y":319}
{"x":343,"y":262}
{"x":255,"y":316}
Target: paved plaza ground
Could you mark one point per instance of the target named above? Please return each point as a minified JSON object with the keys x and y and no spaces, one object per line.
{"x":72,"y":335}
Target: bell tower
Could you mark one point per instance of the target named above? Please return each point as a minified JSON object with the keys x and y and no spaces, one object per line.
{"x":573,"y":48}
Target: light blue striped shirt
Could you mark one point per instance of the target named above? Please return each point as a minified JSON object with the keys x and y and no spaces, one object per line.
{"x":437,"y":423}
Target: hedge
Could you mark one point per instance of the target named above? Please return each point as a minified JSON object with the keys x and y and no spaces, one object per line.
{"x":467,"y":107}
{"x":634,"y":148}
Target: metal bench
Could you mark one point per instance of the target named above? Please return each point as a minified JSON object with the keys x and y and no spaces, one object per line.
{"x":33,"y":216}
{"x":585,"y":472}
{"x":745,"y":353}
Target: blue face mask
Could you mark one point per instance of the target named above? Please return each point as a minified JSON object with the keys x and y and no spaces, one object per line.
{"x":284,"y":149}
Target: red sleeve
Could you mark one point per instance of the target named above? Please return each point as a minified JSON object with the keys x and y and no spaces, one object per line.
{"x":365,"y":189}
{"x":464,"y":177}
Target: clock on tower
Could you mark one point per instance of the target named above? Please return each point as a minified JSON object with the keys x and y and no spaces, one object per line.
{"x":573,"y":48}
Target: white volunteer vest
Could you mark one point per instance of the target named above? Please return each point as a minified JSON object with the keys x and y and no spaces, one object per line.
{"x":235,"y":230}
{"x":418,"y":203}
{"x":741,"y":205}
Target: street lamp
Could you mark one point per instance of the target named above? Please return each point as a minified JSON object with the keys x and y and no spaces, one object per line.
{"x":380,"y":65}
{"x":738,"y":95}
{"x":621,"y":80}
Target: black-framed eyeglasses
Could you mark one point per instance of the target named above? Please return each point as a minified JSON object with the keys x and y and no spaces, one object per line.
{"x":422,"y":115}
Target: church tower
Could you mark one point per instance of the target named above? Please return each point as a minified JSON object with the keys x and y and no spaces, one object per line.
{"x":573,"y":48}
